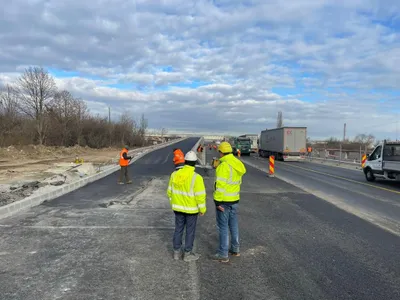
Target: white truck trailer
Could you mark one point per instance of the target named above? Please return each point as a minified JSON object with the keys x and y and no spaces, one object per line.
{"x":254,"y":141}
{"x":383,"y":162}
{"x":285,"y":143}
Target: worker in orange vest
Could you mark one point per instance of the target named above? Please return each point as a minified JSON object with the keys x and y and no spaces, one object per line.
{"x":309,"y":150}
{"x":179,"y":159}
{"x":124,"y":160}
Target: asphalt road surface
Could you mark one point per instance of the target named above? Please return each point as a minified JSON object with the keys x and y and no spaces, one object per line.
{"x":378,"y":202}
{"x":293,"y":244}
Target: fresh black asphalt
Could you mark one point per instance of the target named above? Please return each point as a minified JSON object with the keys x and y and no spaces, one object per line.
{"x":378,"y":201}
{"x":293,"y":245}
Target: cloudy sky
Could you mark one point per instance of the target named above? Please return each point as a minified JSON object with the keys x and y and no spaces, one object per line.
{"x":223,"y":66}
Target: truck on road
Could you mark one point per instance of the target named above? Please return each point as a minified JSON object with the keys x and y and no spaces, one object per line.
{"x":240,"y":143}
{"x":285,"y":143}
{"x":383,"y":162}
{"x":254,"y":141}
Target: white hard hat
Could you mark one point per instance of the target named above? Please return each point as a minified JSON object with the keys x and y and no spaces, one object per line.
{"x":191,"y":156}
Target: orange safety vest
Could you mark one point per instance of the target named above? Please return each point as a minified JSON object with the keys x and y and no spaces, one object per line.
{"x":122,"y":161}
{"x":309,"y":149}
{"x":179,"y":157}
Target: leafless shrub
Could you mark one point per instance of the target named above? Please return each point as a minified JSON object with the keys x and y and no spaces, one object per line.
{"x":33,"y":110}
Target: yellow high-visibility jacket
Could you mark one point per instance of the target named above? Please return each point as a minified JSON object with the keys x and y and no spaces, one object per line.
{"x":186,"y":191}
{"x":229,"y":175}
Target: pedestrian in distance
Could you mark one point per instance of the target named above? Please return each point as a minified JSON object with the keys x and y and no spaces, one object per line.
{"x":309,"y":151}
{"x":187,"y":195}
{"x":179,"y":159}
{"x":124,"y":160}
{"x":227,"y":185}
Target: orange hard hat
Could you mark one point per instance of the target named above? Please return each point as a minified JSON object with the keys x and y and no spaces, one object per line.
{"x":179,"y":157}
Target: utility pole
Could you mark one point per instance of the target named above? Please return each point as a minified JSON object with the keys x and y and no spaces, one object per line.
{"x":109,"y":124}
{"x":279,"y":121}
{"x":79,"y":124}
{"x":344,"y":132}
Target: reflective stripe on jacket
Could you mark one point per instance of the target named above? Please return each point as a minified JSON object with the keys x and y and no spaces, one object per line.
{"x":186,"y":191}
{"x":229,"y":175}
{"x":122,"y":161}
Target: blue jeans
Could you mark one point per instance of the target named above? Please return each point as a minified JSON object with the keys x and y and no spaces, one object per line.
{"x":183,"y":220}
{"x":227,"y":221}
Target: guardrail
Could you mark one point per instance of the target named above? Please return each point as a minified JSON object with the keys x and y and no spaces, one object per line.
{"x":201,"y":157}
{"x":336,"y":161}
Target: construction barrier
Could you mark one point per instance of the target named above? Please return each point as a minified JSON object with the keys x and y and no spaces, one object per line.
{"x":363,"y":160}
{"x":78,"y":160}
{"x":271,"y":166}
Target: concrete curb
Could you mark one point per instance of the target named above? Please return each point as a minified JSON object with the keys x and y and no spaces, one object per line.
{"x":34,"y":200}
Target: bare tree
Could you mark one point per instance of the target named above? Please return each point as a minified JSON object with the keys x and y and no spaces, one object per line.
{"x":82,"y":114}
{"x":141,"y":134}
{"x":143,"y":125}
{"x":63,"y":111}
{"x":32,"y":110}
{"x":36,"y":89}
{"x":9,"y":117}
{"x":365,"y":139}
{"x":164,"y":131}
{"x":8,"y":101}
{"x":126,"y":128}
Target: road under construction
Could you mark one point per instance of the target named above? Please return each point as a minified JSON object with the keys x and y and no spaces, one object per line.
{"x":311,"y":232}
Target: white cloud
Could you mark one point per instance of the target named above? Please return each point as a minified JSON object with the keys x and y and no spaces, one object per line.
{"x":223,"y":66}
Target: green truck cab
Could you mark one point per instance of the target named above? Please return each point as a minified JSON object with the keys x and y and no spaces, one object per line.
{"x":241,"y":143}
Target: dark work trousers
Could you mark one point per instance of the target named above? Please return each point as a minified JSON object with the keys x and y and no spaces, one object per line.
{"x":123,"y":173}
{"x":182,"y":220}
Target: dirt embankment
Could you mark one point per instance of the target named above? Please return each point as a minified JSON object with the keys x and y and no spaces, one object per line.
{"x":30,"y":162}
{"x":30,"y":169}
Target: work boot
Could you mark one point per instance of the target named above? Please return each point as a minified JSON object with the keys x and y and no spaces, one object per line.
{"x":220,"y":258}
{"x":119,"y":182}
{"x":177,"y":254}
{"x":233,"y":253}
{"x":190,"y":256}
{"x":129,"y":182}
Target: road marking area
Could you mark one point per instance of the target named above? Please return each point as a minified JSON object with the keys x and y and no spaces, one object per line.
{"x":346,"y":179}
{"x":339,"y":177}
{"x":383,"y":222}
{"x":88,"y":227}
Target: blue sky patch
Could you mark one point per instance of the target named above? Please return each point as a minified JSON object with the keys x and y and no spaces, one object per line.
{"x":168,"y":69}
{"x":192,"y":85}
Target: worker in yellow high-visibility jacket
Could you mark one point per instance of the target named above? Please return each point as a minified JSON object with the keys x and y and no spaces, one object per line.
{"x":187,"y":195}
{"x":229,"y":175}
